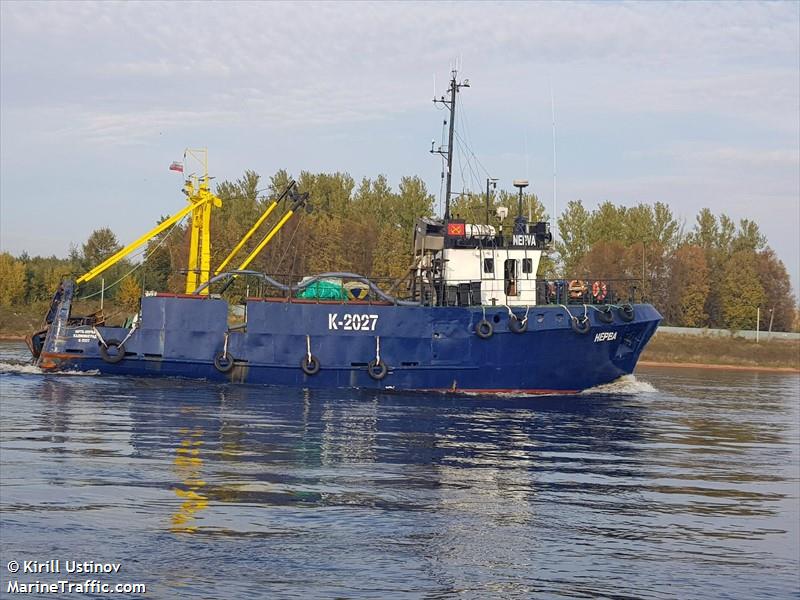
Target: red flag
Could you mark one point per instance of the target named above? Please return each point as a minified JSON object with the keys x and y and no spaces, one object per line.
{"x":456,"y":229}
{"x":176,"y":166}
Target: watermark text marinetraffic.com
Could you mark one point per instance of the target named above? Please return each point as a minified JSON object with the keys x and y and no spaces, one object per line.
{"x":22,"y":582}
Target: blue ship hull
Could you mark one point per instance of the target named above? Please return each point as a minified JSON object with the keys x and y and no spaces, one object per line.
{"x":424,"y":348}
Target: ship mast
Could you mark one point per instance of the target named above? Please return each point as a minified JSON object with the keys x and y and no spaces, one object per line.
{"x":448,"y":154}
{"x":198,"y":193}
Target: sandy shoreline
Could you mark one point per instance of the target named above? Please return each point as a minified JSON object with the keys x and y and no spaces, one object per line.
{"x":680,"y":365}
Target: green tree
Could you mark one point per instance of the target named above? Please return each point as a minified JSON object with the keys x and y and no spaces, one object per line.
{"x":667,"y":231}
{"x":716,"y":237}
{"x":607,"y":223}
{"x":706,"y":231}
{"x":532,"y":208}
{"x":278,"y":182}
{"x":330,"y":192}
{"x":639,"y":225}
{"x":748,"y":237}
{"x":727,"y":233}
{"x":12,"y":280}
{"x":573,"y":230}
{"x":472,"y":208}
{"x":741,"y":291}
{"x":129,"y":294}
{"x":43,"y":274}
{"x":414,"y":202}
{"x":779,"y":297}
{"x":240,"y":209}
{"x":101,"y":244}
{"x":689,"y":287}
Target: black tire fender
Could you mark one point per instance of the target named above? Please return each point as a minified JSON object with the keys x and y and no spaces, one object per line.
{"x":377,"y":369}
{"x":605,"y":315}
{"x":517,"y":325}
{"x":582,"y":325}
{"x":112,"y":358}
{"x":310,"y":364}
{"x":224,"y":362}
{"x":484,"y":329}
{"x":627,"y":313}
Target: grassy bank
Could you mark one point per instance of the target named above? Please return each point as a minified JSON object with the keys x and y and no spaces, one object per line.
{"x":707,"y":350}
{"x":18,"y":321}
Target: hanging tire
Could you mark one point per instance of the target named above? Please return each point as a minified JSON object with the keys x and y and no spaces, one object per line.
{"x":118,"y":354}
{"x":581,"y":326}
{"x":517,"y":325}
{"x":626,"y":312}
{"x":484,"y":329}
{"x":310,"y":364}
{"x":377,"y":369}
{"x":223,"y":362}
{"x":605,"y":315}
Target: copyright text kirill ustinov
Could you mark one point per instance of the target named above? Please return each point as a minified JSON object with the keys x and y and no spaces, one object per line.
{"x":67,"y":576}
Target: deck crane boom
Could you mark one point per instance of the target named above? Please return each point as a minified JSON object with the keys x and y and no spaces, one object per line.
{"x":299,"y":201}
{"x":254,"y":228}
{"x":201,"y":199}
{"x":115,"y":258}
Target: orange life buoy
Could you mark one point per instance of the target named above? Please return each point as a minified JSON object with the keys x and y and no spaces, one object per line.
{"x":599,"y":290}
{"x":576,"y":289}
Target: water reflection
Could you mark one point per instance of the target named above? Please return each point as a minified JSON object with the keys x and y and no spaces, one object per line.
{"x":188,"y":466}
{"x":587,"y":450}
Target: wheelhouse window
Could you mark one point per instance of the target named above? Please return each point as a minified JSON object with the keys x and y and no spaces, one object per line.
{"x":488,"y":265}
{"x":527,"y":265}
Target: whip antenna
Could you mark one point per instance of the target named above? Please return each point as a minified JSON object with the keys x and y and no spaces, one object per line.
{"x":554,"y":219}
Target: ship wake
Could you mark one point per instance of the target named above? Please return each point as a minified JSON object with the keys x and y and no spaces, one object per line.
{"x":26,"y":368}
{"x":626,"y":385}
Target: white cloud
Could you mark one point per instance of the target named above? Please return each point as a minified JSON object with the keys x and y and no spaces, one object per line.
{"x":707,"y":155}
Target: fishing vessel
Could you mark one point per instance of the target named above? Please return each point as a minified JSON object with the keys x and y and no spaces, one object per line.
{"x":473,"y":315}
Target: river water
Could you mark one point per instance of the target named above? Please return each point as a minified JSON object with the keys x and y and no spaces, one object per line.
{"x":673,"y":484}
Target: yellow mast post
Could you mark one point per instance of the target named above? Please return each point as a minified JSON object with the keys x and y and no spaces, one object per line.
{"x":199,"y":193}
{"x":191,"y":265}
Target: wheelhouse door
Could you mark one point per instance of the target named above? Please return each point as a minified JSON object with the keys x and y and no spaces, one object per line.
{"x":510,"y":277}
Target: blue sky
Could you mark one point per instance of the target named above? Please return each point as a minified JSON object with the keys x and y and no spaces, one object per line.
{"x":692,"y":104}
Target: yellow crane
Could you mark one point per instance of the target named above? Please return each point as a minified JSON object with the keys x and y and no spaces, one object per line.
{"x":201,"y":199}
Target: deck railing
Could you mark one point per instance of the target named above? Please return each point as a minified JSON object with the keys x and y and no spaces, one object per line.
{"x":576,"y":290}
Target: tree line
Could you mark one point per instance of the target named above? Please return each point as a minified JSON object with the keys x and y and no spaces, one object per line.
{"x":713,"y":274}
{"x":716,"y":274}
